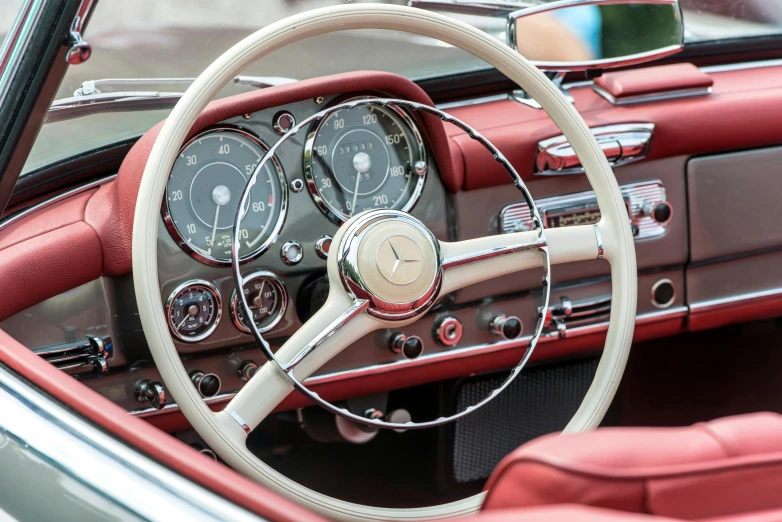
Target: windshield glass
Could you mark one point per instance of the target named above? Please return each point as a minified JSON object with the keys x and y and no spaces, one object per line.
{"x":180,"y":38}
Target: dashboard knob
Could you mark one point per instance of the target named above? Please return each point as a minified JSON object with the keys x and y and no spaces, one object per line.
{"x":207,"y":384}
{"x":507,"y":327}
{"x":410,"y":347}
{"x":152,"y":392}
{"x":662,"y":212}
{"x":322,"y":246}
{"x":448,"y":331}
{"x":246,"y":370}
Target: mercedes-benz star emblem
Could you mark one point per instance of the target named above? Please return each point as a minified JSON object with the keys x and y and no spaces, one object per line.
{"x":399,"y":260}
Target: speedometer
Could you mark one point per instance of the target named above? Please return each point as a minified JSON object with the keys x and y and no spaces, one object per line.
{"x":203,"y":193}
{"x":363,"y":158}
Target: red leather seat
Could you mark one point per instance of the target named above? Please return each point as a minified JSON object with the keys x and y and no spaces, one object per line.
{"x":729,"y":467}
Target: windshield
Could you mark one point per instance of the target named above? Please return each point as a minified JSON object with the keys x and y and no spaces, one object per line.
{"x":180,"y":38}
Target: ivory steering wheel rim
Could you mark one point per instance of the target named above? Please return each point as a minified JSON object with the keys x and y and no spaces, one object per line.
{"x":611,"y":237}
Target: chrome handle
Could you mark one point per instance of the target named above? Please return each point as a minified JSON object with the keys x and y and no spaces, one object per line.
{"x":622,"y":144}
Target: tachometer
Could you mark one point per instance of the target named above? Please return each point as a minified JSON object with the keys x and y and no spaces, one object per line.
{"x":364,"y":158}
{"x":204,"y":190}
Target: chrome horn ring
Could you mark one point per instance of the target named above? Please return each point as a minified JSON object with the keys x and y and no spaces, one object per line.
{"x":369,"y":296}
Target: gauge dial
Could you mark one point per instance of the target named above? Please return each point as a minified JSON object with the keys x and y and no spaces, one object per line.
{"x":267,"y":297}
{"x":363,"y":158}
{"x":193,"y":311}
{"x":203,"y":193}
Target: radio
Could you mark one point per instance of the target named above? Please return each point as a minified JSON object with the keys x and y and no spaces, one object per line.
{"x":646,"y":203}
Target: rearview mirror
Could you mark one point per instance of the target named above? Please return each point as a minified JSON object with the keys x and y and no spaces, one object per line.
{"x":578,"y":35}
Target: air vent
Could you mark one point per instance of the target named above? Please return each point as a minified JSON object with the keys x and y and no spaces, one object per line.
{"x":85,"y":356}
{"x":572,"y":314}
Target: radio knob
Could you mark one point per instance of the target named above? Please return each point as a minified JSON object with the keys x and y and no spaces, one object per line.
{"x":207,"y":384}
{"x":410,"y":347}
{"x":152,"y":392}
{"x":662,"y":212}
{"x":507,"y":327}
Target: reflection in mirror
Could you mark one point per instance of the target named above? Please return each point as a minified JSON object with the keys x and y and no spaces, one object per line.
{"x":596,"y":34}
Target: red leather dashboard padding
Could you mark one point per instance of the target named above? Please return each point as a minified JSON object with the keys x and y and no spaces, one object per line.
{"x":111,"y":210}
{"x":737,"y":115}
{"x":143,"y":436}
{"x":724,"y":467}
{"x":46,"y":265}
{"x":57,"y":215}
{"x":653,"y":80}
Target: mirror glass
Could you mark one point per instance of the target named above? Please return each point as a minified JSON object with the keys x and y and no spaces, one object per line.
{"x":601,"y":35}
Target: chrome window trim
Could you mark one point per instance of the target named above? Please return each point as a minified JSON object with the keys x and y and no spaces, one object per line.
{"x":741,"y":66}
{"x":16,"y":41}
{"x":106,"y":465}
{"x":458,"y":353}
{"x":55,"y":199}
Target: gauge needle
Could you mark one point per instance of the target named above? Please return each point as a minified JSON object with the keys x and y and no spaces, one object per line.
{"x":221,"y":195}
{"x":259,"y":300}
{"x":185,"y":318}
{"x":355,"y":193}
{"x":214,"y":230}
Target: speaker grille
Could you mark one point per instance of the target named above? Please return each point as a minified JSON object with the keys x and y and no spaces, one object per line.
{"x":541,"y":400}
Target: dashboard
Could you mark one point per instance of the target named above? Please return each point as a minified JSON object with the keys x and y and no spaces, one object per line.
{"x":86,"y":322}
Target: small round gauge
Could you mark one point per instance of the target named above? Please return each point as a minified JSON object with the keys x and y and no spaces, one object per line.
{"x":267,"y":297}
{"x":193,"y":310}
{"x":203,"y":193}
{"x":364,"y":158}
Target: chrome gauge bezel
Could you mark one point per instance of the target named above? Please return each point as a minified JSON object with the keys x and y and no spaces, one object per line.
{"x":281,"y":289}
{"x":309,"y":144}
{"x":209,"y":287}
{"x":275,"y":233}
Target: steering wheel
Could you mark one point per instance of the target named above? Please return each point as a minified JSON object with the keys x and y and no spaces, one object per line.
{"x":362,"y":297}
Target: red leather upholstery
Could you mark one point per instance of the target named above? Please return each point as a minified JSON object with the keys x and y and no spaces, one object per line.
{"x":565,"y":513}
{"x":653,"y":80}
{"x":573,"y":513}
{"x":725,"y":467}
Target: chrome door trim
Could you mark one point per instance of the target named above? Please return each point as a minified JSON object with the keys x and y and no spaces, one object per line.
{"x":458,"y":353}
{"x":721,"y":303}
{"x":59,"y":197}
{"x":106,"y":465}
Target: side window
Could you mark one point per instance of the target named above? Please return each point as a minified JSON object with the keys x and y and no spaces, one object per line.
{"x":8,"y":11}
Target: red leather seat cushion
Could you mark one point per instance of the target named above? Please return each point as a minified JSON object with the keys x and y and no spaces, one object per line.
{"x":716,"y":469}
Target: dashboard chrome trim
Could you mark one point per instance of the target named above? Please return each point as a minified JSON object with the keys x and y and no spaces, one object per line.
{"x":721,"y":303}
{"x":59,"y":197}
{"x":741,"y":66}
{"x":82,"y":451}
{"x":459,"y":353}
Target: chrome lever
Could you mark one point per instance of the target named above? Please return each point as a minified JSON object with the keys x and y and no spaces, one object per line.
{"x":622,"y":144}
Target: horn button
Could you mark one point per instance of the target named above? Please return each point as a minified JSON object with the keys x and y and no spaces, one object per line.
{"x":397,"y":261}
